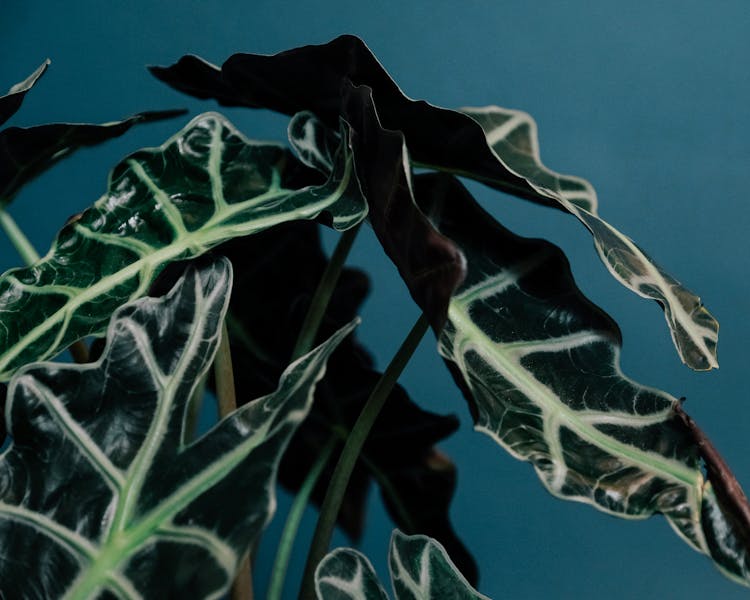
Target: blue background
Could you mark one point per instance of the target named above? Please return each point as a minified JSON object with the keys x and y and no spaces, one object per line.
{"x":649,"y":101}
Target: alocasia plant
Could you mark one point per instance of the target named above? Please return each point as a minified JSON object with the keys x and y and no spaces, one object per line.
{"x":103,"y":482}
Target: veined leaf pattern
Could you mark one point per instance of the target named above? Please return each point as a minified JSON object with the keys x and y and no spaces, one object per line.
{"x":420,"y":570}
{"x":512,"y":135}
{"x":540,"y":367}
{"x":11,"y":102}
{"x":205,"y":185}
{"x":98,"y":485}
{"x":493,"y":145}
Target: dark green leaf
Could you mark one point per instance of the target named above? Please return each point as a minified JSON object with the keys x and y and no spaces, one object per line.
{"x":12,"y":101}
{"x":277,"y":273}
{"x":98,"y":486}
{"x":26,"y":152}
{"x":205,"y":185}
{"x":420,"y":570}
{"x":493,"y":145}
{"x":540,"y":367}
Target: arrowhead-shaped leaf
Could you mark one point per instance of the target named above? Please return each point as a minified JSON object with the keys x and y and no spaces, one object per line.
{"x":98,"y":486}
{"x":277,"y":274}
{"x":25,"y":152}
{"x":420,"y":570}
{"x":495,"y":146}
{"x":11,"y":102}
{"x":540,"y":367}
{"x":205,"y":185}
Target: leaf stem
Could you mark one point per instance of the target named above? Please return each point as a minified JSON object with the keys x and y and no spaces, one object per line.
{"x":340,"y":478}
{"x":242,"y":587}
{"x":323,"y":293}
{"x":17,"y":237}
{"x":286,"y":542}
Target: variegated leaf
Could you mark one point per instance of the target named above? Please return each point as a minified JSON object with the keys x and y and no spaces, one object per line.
{"x":540,"y":365}
{"x":492,"y":145}
{"x":205,"y":185}
{"x":11,"y":102}
{"x":97,"y":484}
{"x":512,"y":135}
{"x":420,"y":570}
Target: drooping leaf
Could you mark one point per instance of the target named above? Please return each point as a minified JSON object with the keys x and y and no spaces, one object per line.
{"x":420,"y":569}
{"x":512,"y":135}
{"x":11,"y":102}
{"x":97,"y":485}
{"x":539,"y":364}
{"x":205,"y":185}
{"x":26,"y":152}
{"x":495,"y":146}
{"x":277,"y":273}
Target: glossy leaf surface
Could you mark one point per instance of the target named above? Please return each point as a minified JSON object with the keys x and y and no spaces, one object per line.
{"x":205,"y":185}
{"x":277,"y":272}
{"x":420,"y":570}
{"x":492,"y":145}
{"x":98,"y":485}
{"x":512,"y":135}
{"x":25,"y":152}
{"x":11,"y":102}
{"x":540,"y":367}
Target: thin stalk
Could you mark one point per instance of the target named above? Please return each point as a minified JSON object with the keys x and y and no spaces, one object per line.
{"x":323,"y":293}
{"x":78,"y":350}
{"x":340,"y":478}
{"x":242,"y":587}
{"x":17,"y":237}
{"x":293,"y":520}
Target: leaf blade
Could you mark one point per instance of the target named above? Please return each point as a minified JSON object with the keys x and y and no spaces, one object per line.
{"x":163,"y":205}
{"x":142,"y":535}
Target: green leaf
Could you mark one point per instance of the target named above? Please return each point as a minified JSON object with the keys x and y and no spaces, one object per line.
{"x":420,"y":570}
{"x":539,"y":364}
{"x":26,"y":152}
{"x":492,"y":145}
{"x":97,"y":484}
{"x":277,"y":272}
{"x":512,"y":135}
{"x":205,"y":185}
{"x":11,"y":102}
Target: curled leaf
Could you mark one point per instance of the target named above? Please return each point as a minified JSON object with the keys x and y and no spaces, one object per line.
{"x":493,"y":145}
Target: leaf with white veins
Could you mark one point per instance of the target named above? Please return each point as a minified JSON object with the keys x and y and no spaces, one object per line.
{"x":512,"y":136}
{"x":539,"y":364}
{"x":97,"y":485}
{"x":420,"y":570}
{"x":492,"y":145}
{"x":205,"y":185}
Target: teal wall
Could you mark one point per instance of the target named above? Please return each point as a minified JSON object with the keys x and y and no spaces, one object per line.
{"x":649,"y":101}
